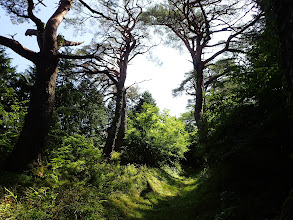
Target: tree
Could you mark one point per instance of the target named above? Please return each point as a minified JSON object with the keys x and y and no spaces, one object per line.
{"x":154,"y":139}
{"x":279,"y":16}
{"x":275,"y":16}
{"x":121,"y":42}
{"x":79,"y":107}
{"x":196,"y":23}
{"x":32,"y":139}
{"x":146,"y":97}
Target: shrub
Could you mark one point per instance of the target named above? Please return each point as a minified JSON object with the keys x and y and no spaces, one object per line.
{"x":155,"y":139}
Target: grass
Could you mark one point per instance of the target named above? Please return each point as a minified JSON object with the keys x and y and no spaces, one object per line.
{"x":132,"y":192}
{"x":135,"y":193}
{"x":164,"y":197}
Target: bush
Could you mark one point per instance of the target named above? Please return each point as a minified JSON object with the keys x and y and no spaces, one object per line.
{"x":155,"y":139}
{"x":75,"y":158}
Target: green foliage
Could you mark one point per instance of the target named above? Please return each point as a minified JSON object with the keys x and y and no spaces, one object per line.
{"x":13,"y":105}
{"x":145,"y":97}
{"x":246,"y":147}
{"x":78,"y":108}
{"x":245,"y":151}
{"x":250,"y":93}
{"x":11,"y":121}
{"x":155,"y":139}
{"x":76,"y":157}
{"x":77,"y":184}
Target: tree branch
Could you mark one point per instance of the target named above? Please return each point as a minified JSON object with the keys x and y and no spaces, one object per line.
{"x":226,"y":48}
{"x":50,"y":35}
{"x":136,"y":83}
{"x":67,"y":43}
{"x":40,"y":25}
{"x":78,"y":57}
{"x":37,"y":21}
{"x":111,"y":77}
{"x":31,"y":32}
{"x":93,"y":11}
{"x":19,"y":49}
{"x":212,"y":78}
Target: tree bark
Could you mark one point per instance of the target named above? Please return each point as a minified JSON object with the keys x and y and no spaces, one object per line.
{"x":113,"y":130}
{"x":123,"y":125}
{"x":120,"y":100}
{"x":34,"y":134}
{"x":198,"y":110}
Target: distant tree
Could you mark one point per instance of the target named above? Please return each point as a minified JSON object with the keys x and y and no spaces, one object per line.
{"x":32,"y":139}
{"x":133,"y":95}
{"x":119,"y":44}
{"x":146,"y":97}
{"x":196,"y":24}
{"x":79,"y":107}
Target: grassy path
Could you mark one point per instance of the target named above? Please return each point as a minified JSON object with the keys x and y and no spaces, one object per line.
{"x":167,"y":196}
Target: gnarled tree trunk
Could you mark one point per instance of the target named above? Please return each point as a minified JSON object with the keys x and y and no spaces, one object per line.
{"x":35,"y":131}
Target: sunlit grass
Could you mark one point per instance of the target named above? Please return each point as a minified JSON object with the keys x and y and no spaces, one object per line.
{"x":130,"y":192}
{"x":162,"y":190}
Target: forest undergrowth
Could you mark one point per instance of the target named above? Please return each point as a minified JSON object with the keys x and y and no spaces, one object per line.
{"x":79,"y":189}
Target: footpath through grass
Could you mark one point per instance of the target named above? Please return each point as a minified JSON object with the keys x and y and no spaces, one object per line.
{"x":166,"y":196}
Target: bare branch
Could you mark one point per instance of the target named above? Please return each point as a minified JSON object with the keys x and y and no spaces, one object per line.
{"x":207,"y":25}
{"x":37,"y":21}
{"x":31,"y":32}
{"x":19,"y":49}
{"x":136,"y":83}
{"x":67,"y":43}
{"x":226,"y":48}
{"x":93,"y":11}
{"x":111,"y":77}
{"x":78,"y":57}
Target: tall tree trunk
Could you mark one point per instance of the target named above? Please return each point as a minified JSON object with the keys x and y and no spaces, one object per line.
{"x":113,"y":130}
{"x":123,"y":125}
{"x":198,"y":67}
{"x":34,"y":133}
{"x":198,"y":111}
{"x":36,"y":127}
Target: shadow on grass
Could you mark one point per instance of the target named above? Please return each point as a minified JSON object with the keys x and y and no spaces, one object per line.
{"x":245,"y":186}
{"x":170,"y":197}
